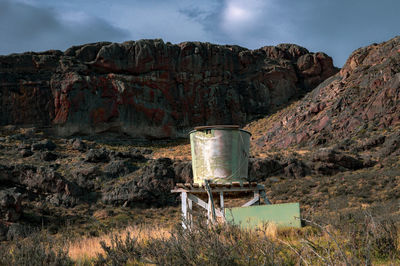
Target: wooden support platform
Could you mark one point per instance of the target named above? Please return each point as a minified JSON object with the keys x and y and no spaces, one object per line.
{"x":234,"y":187}
{"x":188,"y":190}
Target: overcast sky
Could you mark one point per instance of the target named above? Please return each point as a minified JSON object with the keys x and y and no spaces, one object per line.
{"x":336,"y":27}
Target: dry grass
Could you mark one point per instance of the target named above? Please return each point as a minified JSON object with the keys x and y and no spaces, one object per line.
{"x":271,"y":231}
{"x":88,"y":248}
{"x":178,"y":152}
{"x":365,"y":240}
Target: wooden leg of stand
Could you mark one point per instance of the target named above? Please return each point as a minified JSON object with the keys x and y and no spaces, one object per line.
{"x":190,"y":212}
{"x":221,"y":205}
{"x":184,"y":209}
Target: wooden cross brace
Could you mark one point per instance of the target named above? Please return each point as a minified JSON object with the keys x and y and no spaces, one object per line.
{"x":212,"y":211}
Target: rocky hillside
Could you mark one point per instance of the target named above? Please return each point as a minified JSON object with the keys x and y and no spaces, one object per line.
{"x":153,"y":89}
{"x":356,"y":108}
{"x":335,"y":149}
{"x":341,"y":142}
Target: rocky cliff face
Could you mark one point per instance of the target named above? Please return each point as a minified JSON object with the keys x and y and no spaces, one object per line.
{"x":153,"y":89}
{"x":357,"y":107}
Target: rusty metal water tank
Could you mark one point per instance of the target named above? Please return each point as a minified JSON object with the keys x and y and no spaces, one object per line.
{"x":220,"y":154}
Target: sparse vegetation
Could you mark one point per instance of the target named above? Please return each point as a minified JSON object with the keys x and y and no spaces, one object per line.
{"x":341,"y":228}
{"x":343,"y":239}
{"x":38,"y":249}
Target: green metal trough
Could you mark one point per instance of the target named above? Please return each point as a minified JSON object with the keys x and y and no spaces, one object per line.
{"x":282,"y":215}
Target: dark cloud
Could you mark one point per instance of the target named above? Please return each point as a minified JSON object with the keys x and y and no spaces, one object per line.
{"x":340,"y":27}
{"x":194,"y":13}
{"x":24,"y":27}
{"x":210,"y":20}
{"x":335,"y":27}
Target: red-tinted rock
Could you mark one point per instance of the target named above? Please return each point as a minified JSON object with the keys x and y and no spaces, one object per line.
{"x":152,"y":89}
{"x":364,"y":95}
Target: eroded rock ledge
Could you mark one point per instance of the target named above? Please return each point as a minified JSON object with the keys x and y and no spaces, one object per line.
{"x":153,"y":89}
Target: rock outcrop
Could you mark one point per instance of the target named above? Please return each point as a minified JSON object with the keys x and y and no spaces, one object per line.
{"x":151,"y":187}
{"x":153,"y":89}
{"x":10,"y":205}
{"x":357,"y":104}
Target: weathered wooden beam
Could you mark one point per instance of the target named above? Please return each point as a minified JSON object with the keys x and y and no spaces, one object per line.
{"x":221,"y":205}
{"x":235,"y":184}
{"x":184,"y":209}
{"x":221,"y":201}
{"x":190,"y":213}
{"x":211,"y":206}
{"x":198,"y":201}
{"x":255,"y":199}
{"x":218,"y":189}
{"x":203,"y":204}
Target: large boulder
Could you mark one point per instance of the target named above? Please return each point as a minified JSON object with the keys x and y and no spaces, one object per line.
{"x":183,"y":171}
{"x":97,"y":156}
{"x":330,"y":161}
{"x":44,"y":145}
{"x":391,"y":145}
{"x":10,"y":205}
{"x":48,"y":156}
{"x":87,"y":176}
{"x":150,"y":186}
{"x":78,"y":144}
{"x":134,"y":154}
{"x":46,"y":180}
{"x":118,"y":168}
{"x":262,"y":168}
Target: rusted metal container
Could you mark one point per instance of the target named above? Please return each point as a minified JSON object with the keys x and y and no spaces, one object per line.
{"x":220,"y":154}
